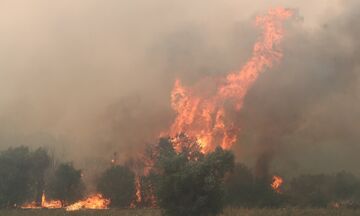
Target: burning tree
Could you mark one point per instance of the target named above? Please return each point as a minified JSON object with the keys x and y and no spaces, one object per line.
{"x":190,"y":182}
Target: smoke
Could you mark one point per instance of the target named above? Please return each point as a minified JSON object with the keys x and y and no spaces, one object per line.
{"x":304,"y":110}
{"x":90,"y":78}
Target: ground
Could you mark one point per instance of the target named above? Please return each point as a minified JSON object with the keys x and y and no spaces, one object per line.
{"x":151,"y":212}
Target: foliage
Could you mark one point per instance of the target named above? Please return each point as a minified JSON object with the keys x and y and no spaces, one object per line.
{"x":117,"y":184}
{"x":189,"y":182}
{"x":66,"y":184}
{"x":22,"y":175}
{"x":243,"y":189}
{"x":320,"y":190}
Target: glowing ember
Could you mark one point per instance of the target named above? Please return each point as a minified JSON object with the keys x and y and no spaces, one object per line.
{"x":204,"y":117}
{"x":96,"y":201}
{"x":277,"y":182}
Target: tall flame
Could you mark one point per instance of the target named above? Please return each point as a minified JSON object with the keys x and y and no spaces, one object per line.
{"x":138,"y":195}
{"x":205,"y":117}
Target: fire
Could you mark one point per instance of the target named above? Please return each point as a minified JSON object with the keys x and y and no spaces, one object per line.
{"x":138,"y":197}
{"x":205,"y":117}
{"x":96,"y":201}
{"x":51,"y":204}
{"x":277,"y":182}
{"x":31,"y":205}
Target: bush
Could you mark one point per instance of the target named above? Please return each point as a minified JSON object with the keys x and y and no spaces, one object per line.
{"x":118,"y":184}
{"x":66,"y":184}
{"x":189,"y":182}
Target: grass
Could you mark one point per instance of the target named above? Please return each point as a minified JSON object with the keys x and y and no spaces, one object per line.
{"x":154,"y":212}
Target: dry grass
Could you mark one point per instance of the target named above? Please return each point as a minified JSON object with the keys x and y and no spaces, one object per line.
{"x":152,"y":212}
{"x":290,"y":212}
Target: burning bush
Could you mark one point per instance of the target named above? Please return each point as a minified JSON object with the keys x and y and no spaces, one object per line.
{"x":190,"y":182}
{"x":117,"y":184}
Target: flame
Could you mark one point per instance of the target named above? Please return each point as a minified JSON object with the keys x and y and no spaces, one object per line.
{"x":93,"y":202}
{"x":138,"y":197}
{"x":205,"y":117}
{"x":31,"y":205}
{"x":276,"y":184}
{"x":96,"y":201}
{"x":51,"y":204}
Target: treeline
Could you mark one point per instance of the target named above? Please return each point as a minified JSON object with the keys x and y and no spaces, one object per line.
{"x":26,"y":174}
{"x":243,"y":189}
{"x":181,"y":182}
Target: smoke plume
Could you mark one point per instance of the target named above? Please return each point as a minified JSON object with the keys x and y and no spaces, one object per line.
{"x":90,"y":78}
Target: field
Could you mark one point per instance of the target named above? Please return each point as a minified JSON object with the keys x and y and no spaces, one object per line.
{"x":152,"y":212}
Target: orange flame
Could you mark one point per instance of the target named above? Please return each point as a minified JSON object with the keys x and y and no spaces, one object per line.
{"x":205,"y":117}
{"x":138,"y":197}
{"x":276,"y":184}
{"x":51,"y":204}
{"x":96,"y":201}
{"x":31,"y":205}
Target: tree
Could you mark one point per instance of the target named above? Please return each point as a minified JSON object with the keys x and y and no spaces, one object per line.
{"x":239,"y":186}
{"x":14,"y":166}
{"x":312,"y":190}
{"x":66,"y":184}
{"x":190,"y":182}
{"x":22,"y":175}
{"x":118,"y":184}
{"x":39,"y":162}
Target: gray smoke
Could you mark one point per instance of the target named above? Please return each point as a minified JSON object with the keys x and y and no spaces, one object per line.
{"x":90,"y":78}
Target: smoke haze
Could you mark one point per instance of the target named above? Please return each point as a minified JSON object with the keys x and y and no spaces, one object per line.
{"x":88,"y":78}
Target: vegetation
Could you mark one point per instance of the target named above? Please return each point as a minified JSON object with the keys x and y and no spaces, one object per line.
{"x":190,"y":182}
{"x":323,"y":190}
{"x":243,"y":189}
{"x":117,"y":184}
{"x":181,"y":182}
{"x":156,"y":212}
{"x":22,"y":175}
{"x":66,"y":184}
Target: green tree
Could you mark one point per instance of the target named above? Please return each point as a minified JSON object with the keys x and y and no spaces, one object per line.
{"x":190,"y":182}
{"x":66,"y":184}
{"x":118,"y":184}
{"x":21,"y":175}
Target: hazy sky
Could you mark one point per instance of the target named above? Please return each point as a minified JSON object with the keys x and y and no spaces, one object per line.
{"x":96,"y":76}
